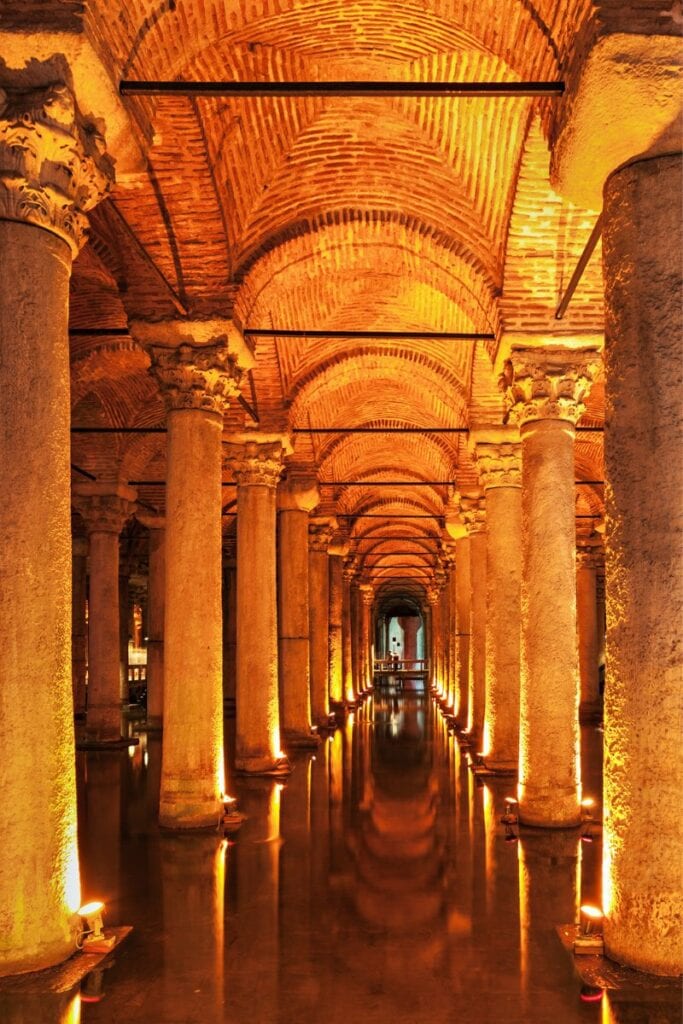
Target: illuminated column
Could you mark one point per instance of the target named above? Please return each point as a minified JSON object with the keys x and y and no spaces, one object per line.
{"x":320,"y":533}
{"x":588,"y":558}
{"x":435,"y":633}
{"x":348,"y":575}
{"x":79,"y":628}
{"x":474,"y":515}
{"x":545,"y":388}
{"x":50,"y":172}
{"x":229,"y":620}
{"x":104,"y":508}
{"x":335,"y":639}
{"x":156,"y":587}
{"x":463,"y":600}
{"x":196,"y":381}
{"x":410,"y":625}
{"x":367,"y":596}
{"x":296,"y":499}
{"x":643,"y":778}
{"x":452,"y":630}
{"x":256,"y":465}
{"x":500,"y":472}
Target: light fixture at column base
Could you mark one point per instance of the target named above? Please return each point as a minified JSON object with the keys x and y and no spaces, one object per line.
{"x":103,"y":944}
{"x":119,"y":743}
{"x":279,"y":768}
{"x":232,"y":821}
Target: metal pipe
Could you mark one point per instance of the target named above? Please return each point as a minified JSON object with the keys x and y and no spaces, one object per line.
{"x":83,"y":472}
{"x":386,"y":483}
{"x":99,"y":332}
{"x":282,"y":90}
{"x":248,"y":408}
{"x":380,"y":430}
{"x":118,"y":430}
{"x":272,"y":332}
{"x":580,"y":267}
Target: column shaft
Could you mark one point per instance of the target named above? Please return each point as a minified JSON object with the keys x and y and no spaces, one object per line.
{"x":587,"y":623}
{"x":643,"y":781}
{"x":39,"y":879}
{"x":192,"y":771}
{"x":335,"y":644}
{"x":477,"y":646}
{"x":319,"y":625}
{"x":462,"y":628}
{"x":230,"y":625}
{"x":104,"y":647}
{"x":347,"y":653}
{"x":156,"y":594}
{"x":79,"y":628}
{"x":293,"y":625}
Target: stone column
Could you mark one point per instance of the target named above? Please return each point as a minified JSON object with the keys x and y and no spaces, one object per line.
{"x":320,"y":533}
{"x":79,"y":629}
{"x":544,"y":391}
{"x":335,"y":639}
{"x":410,"y":624}
{"x":643,"y":774}
{"x":156,"y":594}
{"x":104,"y":508}
{"x":474,"y":514}
{"x":51,"y":171}
{"x":367,"y":596}
{"x":435,"y":635}
{"x":124,"y":617}
{"x":296,"y":500}
{"x":500,"y":471}
{"x":350,"y":696}
{"x":229,"y":622}
{"x":588,"y":558}
{"x":256,"y":464}
{"x":463,"y":600}
{"x":197,"y":381}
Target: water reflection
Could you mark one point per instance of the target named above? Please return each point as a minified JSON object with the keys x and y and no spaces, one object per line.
{"x":376,"y":885}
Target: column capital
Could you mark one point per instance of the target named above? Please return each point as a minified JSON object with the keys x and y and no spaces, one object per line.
{"x":432,"y":596}
{"x":255,"y":462}
{"x":320,"y":533}
{"x":367,"y":593}
{"x":104,"y":507}
{"x":53,"y":163}
{"x":590,"y":556}
{"x":196,"y":377}
{"x":547,"y":383}
{"x":152,"y":520}
{"x":350,"y":569}
{"x":499,"y":464}
{"x":298,"y":494}
{"x":473,"y":512}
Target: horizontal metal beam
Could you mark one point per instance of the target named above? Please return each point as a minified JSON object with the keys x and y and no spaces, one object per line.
{"x":99,"y":332}
{"x":380,"y":430}
{"x":118,"y":430}
{"x":292,"y":90}
{"x":272,"y":332}
{"x":83,"y":472}
{"x":375,"y":515}
{"x":386,"y":483}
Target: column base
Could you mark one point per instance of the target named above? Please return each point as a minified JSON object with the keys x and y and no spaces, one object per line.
{"x":501,"y":768}
{"x":153,"y":723}
{"x":276,"y":767}
{"x":533,"y":821}
{"x":590,"y":712}
{"x":327,"y":724}
{"x":115,"y":743}
{"x":301,"y":740}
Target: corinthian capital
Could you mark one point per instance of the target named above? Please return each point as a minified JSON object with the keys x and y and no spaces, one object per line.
{"x":548,"y":383}
{"x":499,"y":465}
{"x":473,"y":511}
{"x":367,"y":593}
{"x":104,"y":507}
{"x":320,"y":533}
{"x":53,"y":165}
{"x":194,"y":377}
{"x":255,"y":463}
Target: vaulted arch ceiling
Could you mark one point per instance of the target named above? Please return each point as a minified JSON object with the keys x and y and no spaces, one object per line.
{"x":405,"y":214}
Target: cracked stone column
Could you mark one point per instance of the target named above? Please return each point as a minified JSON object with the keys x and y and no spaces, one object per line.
{"x":473,"y":510}
{"x":349,"y":692}
{"x":256,"y":463}
{"x":367,"y":597}
{"x":320,"y":532}
{"x":79,"y":628}
{"x":104,"y":508}
{"x":197,"y":381}
{"x":643,"y":780}
{"x":588,"y":559}
{"x":52,"y":170}
{"x":544,"y":392}
{"x":499,"y":467}
{"x":156,"y":595}
{"x":296,"y":500}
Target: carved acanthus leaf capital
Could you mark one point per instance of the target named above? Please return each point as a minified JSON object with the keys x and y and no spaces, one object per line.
{"x":53,"y":165}
{"x":367,"y":593}
{"x":103,"y":512}
{"x":320,"y":533}
{"x":545,"y":383}
{"x":473,"y":511}
{"x":196,"y":377}
{"x":499,"y":465}
{"x":350,"y":570}
{"x":433,"y":596}
{"x":590,"y":556}
{"x":255,"y":463}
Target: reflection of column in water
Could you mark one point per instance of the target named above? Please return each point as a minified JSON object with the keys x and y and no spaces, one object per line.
{"x":298,"y":974}
{"x":548,"y":896}
{"x":40,"y":1008}
{"x":193,"y":882}
{"x":252,"y":988}
{"x":502,"y":879}
{"x":100,"y":828}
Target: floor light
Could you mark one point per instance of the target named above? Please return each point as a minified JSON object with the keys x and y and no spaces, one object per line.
{"x":92,"y":938}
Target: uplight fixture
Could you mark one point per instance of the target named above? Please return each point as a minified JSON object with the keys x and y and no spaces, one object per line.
{"x":92,"y":938}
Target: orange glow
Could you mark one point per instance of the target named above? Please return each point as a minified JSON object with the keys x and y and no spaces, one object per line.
{"x":73,"y":878}
{"x":593,"y":912}
{"x":89,"y":909}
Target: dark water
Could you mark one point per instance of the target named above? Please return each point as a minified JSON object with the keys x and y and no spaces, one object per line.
{"x":376,"y":886}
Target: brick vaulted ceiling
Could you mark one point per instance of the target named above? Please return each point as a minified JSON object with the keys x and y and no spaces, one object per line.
{"x":337,"y":213}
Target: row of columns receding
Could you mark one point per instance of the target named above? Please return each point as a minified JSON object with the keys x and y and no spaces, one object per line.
{"x":46,"y":189}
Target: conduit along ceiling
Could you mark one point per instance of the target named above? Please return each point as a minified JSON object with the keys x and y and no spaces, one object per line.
{"x":386,"y":220}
